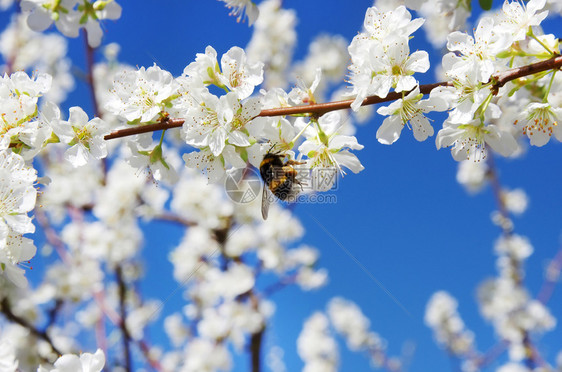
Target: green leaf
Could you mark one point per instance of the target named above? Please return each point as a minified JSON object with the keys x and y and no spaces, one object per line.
{"x":485,"y":4}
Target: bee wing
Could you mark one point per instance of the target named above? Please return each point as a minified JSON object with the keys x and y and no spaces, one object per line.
{"x":265,"y":202}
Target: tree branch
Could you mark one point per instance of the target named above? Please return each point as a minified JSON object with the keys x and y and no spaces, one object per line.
{"x":7,"y":311}
{"x":502,"y":78}
{"x":255,"y":350}
{"x":319,"y":109}
{"x":90,"y":73}
{"x":123,"y":314}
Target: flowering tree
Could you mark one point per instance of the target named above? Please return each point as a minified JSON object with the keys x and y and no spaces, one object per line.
{"x":86,"y":185}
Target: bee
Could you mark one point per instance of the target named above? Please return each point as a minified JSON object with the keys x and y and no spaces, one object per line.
{"x":280,"y":177}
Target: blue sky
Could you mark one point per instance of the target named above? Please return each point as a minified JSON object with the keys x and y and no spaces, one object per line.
{"x":405,"y":218}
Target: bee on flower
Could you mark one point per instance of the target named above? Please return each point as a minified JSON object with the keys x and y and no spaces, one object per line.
{"x":326,"y":149}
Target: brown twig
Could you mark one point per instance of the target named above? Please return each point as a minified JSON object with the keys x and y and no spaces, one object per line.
{"x":168,"y":124}
{"x":7,"y":311}
{"x":319,"y":109}
{"x":123,"y":314}
{"x":501,"y":78}
{"x":175,"y":218}
{"x":492,"y":354}
{"x":493,"y":177}
{"x":90,"y":73}
{"x":51,"y":234}
{"x":552,"y":277}
{"x":255,"y":350}
{"x":117,"y":320}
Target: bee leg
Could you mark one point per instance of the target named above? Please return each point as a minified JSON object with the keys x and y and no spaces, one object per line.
{"x":294,"y":162}
{"x":299,"y":183}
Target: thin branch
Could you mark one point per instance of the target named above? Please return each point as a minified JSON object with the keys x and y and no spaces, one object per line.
{"x":90,"y":74}
{"x":145,"y":349}
{"x":255,"y":350}
{"x":167,"y":124}
{"x":497,"y":190}
{"x":492,"y":354}
{"x":51,"y":234}
{"x":53,"y":312}
{"x":123,"y":314}
{"x":552,"y":276}
{"x":7,"y":311}
{"x":116,"y":319}
{"x":175,"y":218}
{"x":319,"y":109}
{"x":500,"y":79}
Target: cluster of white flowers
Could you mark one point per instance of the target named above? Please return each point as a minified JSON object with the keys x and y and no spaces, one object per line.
{"x":273,"y":41}
{"x":92,"y":215}
{"x":18,"y":107}
{"x":316,"y":346}
{"x":469,"y":129}
{"x":27,"y":130}
{"x":515,"y":201}
{"x":349,"y":321}
{"x":505,"y":301}
{"x":17,"y":199}
{"x":472,"y":175}
{"x":86,"y":362}
{"x":220,"y":260}
{"x":442,"y":316}
{"x":380,"y":55}
{"x":381,"y":60}
{"x":224,"y":128}
{"x":25,"y":50}
{"x":327,"y":53}
{"x":69,"y":16}
{"x":443,"y":17}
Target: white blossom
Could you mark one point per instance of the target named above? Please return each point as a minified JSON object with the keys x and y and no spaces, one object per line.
{"x":387,"y":65}
{"x":409,"y":111}
{"x":69,"y":17}
{"x":238,"y":74}
{"x":514,"y":246}
{"x":203,"y":355}
{"x":513,"y":367}
{"x":381,"y":57}
{"x":476,"y":52}
{"x":16,"y":249}
{"x":84,"y":136}
{"x":539,"y":121}
{"x":442,"y":18}
{"x":327,"y":149}
{"x":316,"y":346}
{"x":142,"y":94}
{"x":273,"y":41}
{"x":8,"y":361}
{"x":138,"y":319}
{"x":471,"y":140}
{"x":17,"y":195}
{"x":18,"y":105}
{"x":516,"y":18}
{"x":243,"y":9}
{"x":348,"y":320}
{"x":441,"y":315}
{"x":309,"y":279}
{"x":516,"y":201}
{"x":86,"y":362}
{"x":472,"y":175}
{"x":216,"y":121}
{"x":327,"y":53}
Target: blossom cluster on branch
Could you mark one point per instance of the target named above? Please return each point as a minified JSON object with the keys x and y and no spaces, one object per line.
{"x":93,"y":197}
